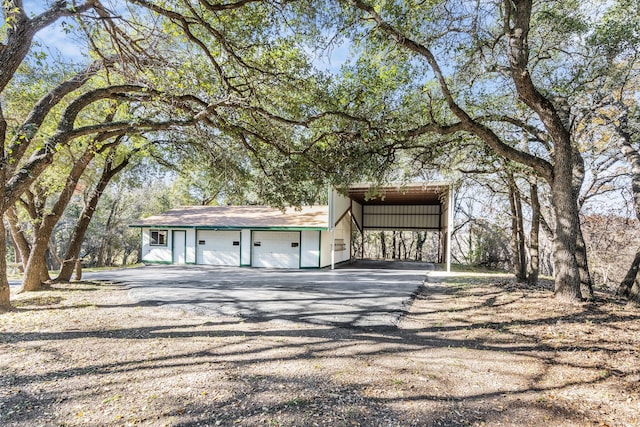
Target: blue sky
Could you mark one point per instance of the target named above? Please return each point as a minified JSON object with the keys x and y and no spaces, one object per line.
{"x":52,"y":39}
{"x":55,"y":43}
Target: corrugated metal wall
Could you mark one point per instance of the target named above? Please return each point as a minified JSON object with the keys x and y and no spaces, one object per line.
{"x":402,"y":217}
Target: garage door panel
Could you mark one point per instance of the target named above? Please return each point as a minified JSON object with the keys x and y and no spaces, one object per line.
{"x":276,"y":249}
{"x":218,"y":247}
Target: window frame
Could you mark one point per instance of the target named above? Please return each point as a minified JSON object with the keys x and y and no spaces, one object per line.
{"x":160,"y":232}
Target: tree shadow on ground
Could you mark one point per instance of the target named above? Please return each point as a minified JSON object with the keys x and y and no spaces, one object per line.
{"x":448,"y":337}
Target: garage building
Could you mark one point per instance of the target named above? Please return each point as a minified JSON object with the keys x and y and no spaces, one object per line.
{"x":252,"y":236}
{"x":307,"y":237}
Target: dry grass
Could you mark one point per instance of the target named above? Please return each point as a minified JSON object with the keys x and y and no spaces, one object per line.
{"x":472,"y":350}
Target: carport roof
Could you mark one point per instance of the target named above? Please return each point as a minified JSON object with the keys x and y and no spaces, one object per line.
{"x":315,"y":217}
{"x":402,"y":194}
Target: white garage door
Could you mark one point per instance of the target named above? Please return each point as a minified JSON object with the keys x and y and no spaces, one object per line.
{"x":218,"y":247}
{"x":276,"y":249}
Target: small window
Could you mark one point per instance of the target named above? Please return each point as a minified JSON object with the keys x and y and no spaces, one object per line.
{"x":257,"y":243}
{"x":294,"y":244}
{"x":201,"y":242}
{"x":159,"y":237}
{"x":236,"y":243}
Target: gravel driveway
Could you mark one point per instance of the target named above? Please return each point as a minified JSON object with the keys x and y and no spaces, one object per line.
{"x":363,"y":294}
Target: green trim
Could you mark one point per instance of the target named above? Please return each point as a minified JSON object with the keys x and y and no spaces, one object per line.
{"x":195,"y":245}
{"x":224,"y":228}
{"x":320,"y":245}
{"x":319,"y":248}
{"x":251,"y":250}
{"x":309,"y":268}
{"x":299,"y":249}
{"x":190,"y":263}
{"x":240,"y":248}
{"x":144,"y":261}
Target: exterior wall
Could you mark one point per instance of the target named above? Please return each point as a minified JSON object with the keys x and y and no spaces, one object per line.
{"x":310,"y":249}
{"x":402,"y":217}
{"x":325,"y":248}
{"x":191,"y":246}
{"x":315,"y":246}
{"x":356,"y":211}
{"x":342,"y":236}
{"x":343,"y":240}
{"x":156,"y":254}
{"x":338,"y":206}
{"x":245,"y":248}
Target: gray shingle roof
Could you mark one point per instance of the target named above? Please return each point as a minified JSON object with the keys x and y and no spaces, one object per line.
{"x":239,"y":217}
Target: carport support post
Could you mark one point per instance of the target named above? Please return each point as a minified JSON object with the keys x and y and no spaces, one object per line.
{"x":449,"y":226}
{"x":333,"y":248}
{"x":332,"y":226}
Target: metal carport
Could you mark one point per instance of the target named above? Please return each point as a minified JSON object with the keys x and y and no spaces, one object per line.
{"x":415,"y":206}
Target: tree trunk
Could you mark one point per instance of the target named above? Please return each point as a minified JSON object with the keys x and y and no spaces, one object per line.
{"x":125,"y":256}
{"x":419,"y":244}
{"x":627,"y":283}
{"x":402,"y":249}
{"x":586,"y":283}
{"x":80,"y":229}
{"x":75,"y":244}
{"x":517,"y":230}
{"x":105,"y":246}
{"x":36,"y":273}
{"x":522,"y":259}
{"x":565,"y":265}
{"x":629,"y":286}
{"x":393,"y":245}
{"x":44,"y":269}
{"x":56,"y":262}
{"x":383,"y":245}
{"x":5,"y":291}
{"x":514,"y":233}
{"x":534,"y":236}
{"x":634,"y":294}
{"x":19,"y":240}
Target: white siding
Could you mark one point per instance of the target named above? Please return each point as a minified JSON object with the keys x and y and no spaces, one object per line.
{"x":342,"y":237}
{"x":245,"y":243}
{"x":339,"y":204}
{"x":356,"y":211}
{"x":325,"y":248}
{"x":343,"y":240}
{"x":191,"y":246}
{"x":310,"y":248}
{"x":400,"y":217}
{"x":161,"y":254}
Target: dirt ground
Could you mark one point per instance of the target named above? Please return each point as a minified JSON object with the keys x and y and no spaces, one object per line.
{"x":472,"y":350}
